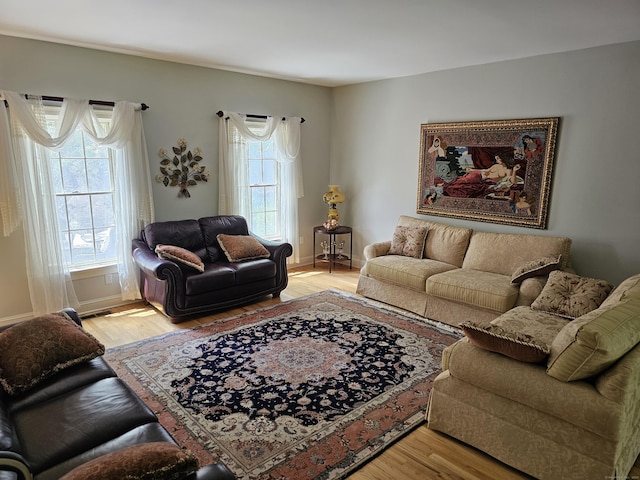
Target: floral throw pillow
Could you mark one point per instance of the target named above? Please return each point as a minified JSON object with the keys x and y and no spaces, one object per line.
{"x":408,"y":241}
{"x":571,"y":296}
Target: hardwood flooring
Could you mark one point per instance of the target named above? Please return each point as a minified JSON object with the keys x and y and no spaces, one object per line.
{"x":422,"y":454}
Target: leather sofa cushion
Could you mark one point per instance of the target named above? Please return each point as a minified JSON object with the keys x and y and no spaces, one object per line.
{"x":404,"y":271}
{"x":72,"y":423}
{"x":65,"y":381}
{"x":472,"y":287}
{"x":221,"y":275}
{"x":180,"y":233}
{"x":211,"y":227}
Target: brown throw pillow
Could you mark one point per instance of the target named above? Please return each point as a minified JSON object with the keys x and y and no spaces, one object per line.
{"x":181,"y":256}
{"x":408,"y":241}
{"x":36,"y":349}
{"x":239,"y":248}
{"x":514,"y":345}
{"x":571,"y":296}
{"x":147,"y":461}
{"x":538,"y":267}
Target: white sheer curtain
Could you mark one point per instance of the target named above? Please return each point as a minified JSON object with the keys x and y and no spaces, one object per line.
{"x":27,"y":196}
{"x":234,"y":194}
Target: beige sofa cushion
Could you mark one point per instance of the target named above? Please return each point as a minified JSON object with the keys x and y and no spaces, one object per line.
{"x":408,"y":241}
{"x":444,"y":243}
{"x":590,"y":344}
{"x":481,"y":289}
{"x":570,"y":296}
{"x":520,"y":333}
{"x":630,"y":288}
{"x":526,"y":383}
{"x":503,"y":252}
{"x":404,"y":271}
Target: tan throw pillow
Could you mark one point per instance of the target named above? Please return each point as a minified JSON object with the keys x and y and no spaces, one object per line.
{"x":571,"y":296}
{"x":181,"y":256}
{"x":32,"y":351}
{"x":147,"y":461}
{"x":239,"y":248}
{"x":408,"y":241}
{"x":592,"y":343}
{"x":520,"y":333}
{"x":535,"y":268}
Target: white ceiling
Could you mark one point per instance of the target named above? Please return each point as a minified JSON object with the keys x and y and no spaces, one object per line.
{"x":327,"y":42}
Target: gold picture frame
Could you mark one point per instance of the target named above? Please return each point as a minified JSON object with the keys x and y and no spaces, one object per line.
{"x":490,"y":171}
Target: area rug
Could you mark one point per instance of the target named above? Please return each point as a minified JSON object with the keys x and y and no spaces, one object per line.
{"x":308,"y":388}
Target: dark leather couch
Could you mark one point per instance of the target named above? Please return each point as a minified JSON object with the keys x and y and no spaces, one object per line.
{"x":80,"y":413}
{"x":179,"y":292}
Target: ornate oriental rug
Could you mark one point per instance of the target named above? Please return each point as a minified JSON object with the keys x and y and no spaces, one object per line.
{"x":309,"y":388}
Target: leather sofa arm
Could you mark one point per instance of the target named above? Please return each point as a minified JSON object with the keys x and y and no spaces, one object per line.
{"x":155,"y":266}
{"x":378,"y":249}
{"x":279,"y":252}
{"x":14,"y":463}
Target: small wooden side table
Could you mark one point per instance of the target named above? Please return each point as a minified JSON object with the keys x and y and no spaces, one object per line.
{"x":334,"y":256}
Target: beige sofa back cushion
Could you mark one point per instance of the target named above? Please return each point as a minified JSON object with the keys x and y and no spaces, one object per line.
{"x":503,"y":253}
{"x":593,"y":342}
{"x":630,"y":288}
{"x":444,"y":243}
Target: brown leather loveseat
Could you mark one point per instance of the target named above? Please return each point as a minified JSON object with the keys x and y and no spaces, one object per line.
{"x":215,"y":276}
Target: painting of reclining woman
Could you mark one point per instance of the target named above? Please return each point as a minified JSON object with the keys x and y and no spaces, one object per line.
{"x":496,"y":170}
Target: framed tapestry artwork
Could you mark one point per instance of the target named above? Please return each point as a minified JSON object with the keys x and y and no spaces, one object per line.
{"x":490,"y":171}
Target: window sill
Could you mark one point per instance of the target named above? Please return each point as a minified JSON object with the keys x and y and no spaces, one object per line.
{"x":93,"y":271}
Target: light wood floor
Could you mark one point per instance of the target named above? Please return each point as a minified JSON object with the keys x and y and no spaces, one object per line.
{"x":422,"y":454}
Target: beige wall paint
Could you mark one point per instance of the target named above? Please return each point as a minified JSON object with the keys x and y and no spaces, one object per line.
{"x":595,"y":196}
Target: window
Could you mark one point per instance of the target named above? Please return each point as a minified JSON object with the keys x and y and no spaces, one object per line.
{"x":265,"y":189}
{"x":263,"y":200}
{"x":82,"y":174}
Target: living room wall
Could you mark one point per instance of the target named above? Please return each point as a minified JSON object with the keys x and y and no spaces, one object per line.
{"x":366,"y":138}
{"x":183,"y":103}
{"x":595,"y":197}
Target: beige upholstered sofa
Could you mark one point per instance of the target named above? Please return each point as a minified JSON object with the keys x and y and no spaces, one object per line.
{"x":460,"y":273}
{"x":574,"y":412}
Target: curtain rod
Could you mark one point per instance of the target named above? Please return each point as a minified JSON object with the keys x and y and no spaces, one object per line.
{"x":220,"y":113}
{"x":143,"y":106}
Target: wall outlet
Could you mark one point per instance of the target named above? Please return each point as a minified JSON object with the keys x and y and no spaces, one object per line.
{"x":301,"y":239}
{"x":108,"y":279}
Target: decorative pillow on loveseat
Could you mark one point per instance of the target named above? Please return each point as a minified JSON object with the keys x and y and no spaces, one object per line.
{"x":520,"y":333}
{"x":180,"y":255}
{"x":239,"y":248}
{"x":147,"y":461}
{"x":408,"y":241}
{"x":538,"y":267}
{"x":571,"y":296}
{"x":592,"y":343}
{"x":34,"y":350}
